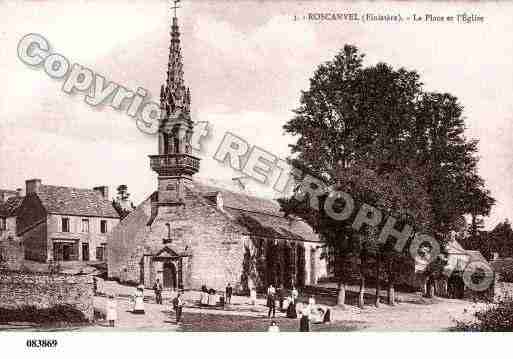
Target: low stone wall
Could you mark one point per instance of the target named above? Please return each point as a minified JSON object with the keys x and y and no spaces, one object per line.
{"x":44,"y":290}
{"x":503,"y":290}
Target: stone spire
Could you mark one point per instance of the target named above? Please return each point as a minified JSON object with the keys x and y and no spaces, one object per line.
{"x":174,"y":96}
{"x":175,"y":163}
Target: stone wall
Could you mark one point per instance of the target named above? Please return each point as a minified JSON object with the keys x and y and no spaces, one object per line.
{"x":11,"y":253}
{"x":43,"y":290}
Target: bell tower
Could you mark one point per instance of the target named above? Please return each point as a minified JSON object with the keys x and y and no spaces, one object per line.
{"x":174,"y":164}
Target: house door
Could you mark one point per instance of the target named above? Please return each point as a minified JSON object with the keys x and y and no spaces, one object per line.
{"x":67,"y":252}
{"x":85,"y":252}
{"x":169,"y":279}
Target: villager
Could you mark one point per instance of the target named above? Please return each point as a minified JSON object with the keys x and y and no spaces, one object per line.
{"x":157,"y":288}
{"x":271,"y":301}
{"x":228,"y":293}
{"x":281,"y":296}
{"x":291,"y":309}
{"x":139,"y":300}
{"x":327,"y":316}
{"x":294,"y":294}
{"x":112,"y":311}
{"x":273,"y":328}
{"x":212,"y":299}
{"x":253,"y":296}
{"x":304,"y":322}
{"x":204,"y":295}
{"x":311,"y":302}
{"x":178,"y":306}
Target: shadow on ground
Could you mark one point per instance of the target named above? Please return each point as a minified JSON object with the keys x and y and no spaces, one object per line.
{"x":203,"y":322}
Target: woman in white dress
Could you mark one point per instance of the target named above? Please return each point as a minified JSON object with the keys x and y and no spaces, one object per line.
{"x":139,"y":300}
{"x":253,"y":296}
{"x":112,"y":310}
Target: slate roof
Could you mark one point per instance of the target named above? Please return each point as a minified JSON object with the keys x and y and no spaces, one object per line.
{"x":11,"y":206}
{"x":260,"y":216}
{"x":476,"y":256}
{"x":75,"y":201}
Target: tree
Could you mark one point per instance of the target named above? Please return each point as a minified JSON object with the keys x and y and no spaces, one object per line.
{"x":122,"y":203}
{"x":351,"y":115}
{"x":440,"y":146}
{"x":410,"y":144}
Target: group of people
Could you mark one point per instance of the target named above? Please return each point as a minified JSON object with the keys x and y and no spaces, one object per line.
{"x":289,"y":304}
{"x":286,"y":303}
{"x":136,"y":303}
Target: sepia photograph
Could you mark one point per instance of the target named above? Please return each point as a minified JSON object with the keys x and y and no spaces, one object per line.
{"x":255,"y":166}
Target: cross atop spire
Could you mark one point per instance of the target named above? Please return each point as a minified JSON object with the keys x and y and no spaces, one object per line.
{"x":175,"y":2}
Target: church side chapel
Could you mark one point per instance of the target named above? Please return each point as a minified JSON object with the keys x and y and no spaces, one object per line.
{"x":190,"y":234}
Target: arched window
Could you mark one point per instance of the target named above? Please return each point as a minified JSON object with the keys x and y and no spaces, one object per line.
{"x":168,"y":238}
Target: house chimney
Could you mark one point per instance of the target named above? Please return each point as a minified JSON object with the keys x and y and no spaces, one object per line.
{"x":103,"y":191}
{"x":32,"y":185}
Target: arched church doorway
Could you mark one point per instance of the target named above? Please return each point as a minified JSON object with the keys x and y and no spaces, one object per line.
{"x":169,"y":277}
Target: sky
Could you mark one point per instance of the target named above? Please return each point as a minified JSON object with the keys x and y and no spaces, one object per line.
{"x":246,"y":63}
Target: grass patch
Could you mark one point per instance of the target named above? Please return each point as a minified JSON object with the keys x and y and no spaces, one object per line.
{"x":30,"y":314}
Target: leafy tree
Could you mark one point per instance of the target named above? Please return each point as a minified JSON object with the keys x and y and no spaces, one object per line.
{"x":406,"y":149}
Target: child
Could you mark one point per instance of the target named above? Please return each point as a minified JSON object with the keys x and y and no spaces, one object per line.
{"x":112,"y":310}
{"x":273,"y":328}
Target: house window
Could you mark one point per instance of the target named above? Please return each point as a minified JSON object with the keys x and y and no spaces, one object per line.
{"x":3,"y":224}
{"x":65,"y":224}
{"x":85,"y":225}
{"x":65,"y":251}
{"x":103,"y":226}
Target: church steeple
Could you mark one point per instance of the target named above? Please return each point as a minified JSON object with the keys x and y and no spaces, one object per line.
{"x":175,"y":163}
{"x":174,"y":95}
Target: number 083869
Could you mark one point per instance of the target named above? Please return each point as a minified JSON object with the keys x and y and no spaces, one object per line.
{"x":41,"y":343}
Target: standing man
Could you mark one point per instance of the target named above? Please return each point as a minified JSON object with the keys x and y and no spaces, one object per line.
{"x":271,"y":301}
{"x":281,"y":296}
{"x":228,"y":292}
{"x":157,"y":288}
{"x":178,"y":306}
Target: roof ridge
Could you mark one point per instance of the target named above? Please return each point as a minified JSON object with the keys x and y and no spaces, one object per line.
{"x":259,"y":212}
{"x":235,"y":192}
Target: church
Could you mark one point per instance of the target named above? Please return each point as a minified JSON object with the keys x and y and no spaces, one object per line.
{"x":189,"y":234}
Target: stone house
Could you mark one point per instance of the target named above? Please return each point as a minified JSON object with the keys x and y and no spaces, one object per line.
{"x":190,"y":234}
{"x":11,"y":248}
{"x":58,"y":223}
